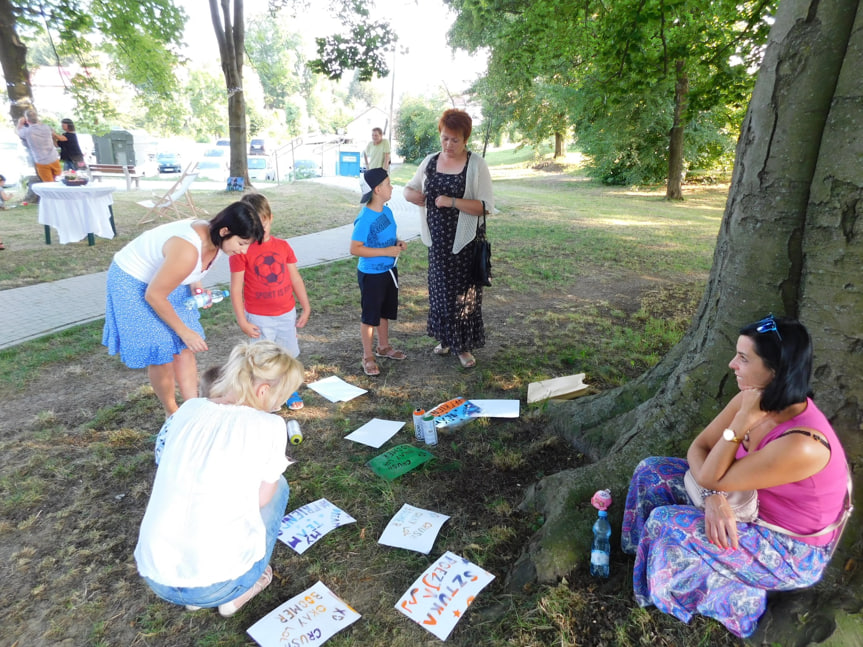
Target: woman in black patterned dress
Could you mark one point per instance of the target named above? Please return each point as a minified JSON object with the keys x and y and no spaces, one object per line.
{"x":452,"y":188}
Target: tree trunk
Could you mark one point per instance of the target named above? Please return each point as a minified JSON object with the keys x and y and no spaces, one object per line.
{"x":791,"y":242}
{"x":230,"y":34}
{"x":559,"y":145}
{"x":673,"y":189}
{"x":13,"y":58}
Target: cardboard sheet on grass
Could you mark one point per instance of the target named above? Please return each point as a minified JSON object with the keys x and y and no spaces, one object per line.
{"x":560,"y":388}
{"x":413,"y":529}
{"x":305,"y":525}
{"x":437,"y":600}
{"x":335,"y":389}
{"x":375,"y":432}
{"x":398,"y":460}
{"x":312,"y":617}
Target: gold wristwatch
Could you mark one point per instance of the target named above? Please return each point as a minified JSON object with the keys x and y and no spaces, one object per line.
{"x":731,"y":437}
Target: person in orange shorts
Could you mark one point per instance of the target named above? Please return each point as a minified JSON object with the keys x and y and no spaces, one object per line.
{"x":42,"y":142}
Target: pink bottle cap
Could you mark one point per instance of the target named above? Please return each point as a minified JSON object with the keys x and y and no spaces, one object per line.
{"x":601,"y":500}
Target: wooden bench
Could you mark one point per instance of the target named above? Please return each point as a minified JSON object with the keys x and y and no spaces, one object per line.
{"x":98,"y":171}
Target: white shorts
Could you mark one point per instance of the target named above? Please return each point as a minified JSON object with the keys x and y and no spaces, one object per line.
{"x":281,"y":329}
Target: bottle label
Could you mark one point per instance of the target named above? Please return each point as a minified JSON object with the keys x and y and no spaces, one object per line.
{"x":599,"y":558}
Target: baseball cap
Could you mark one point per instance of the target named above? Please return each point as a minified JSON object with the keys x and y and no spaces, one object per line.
{"x":372,"y":178}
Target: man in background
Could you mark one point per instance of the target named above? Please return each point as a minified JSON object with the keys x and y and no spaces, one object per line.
{"x":377,"y":153}
{"x":42,"y":142}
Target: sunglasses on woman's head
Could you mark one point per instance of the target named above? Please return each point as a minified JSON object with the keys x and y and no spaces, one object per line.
{"x":768,"y":324}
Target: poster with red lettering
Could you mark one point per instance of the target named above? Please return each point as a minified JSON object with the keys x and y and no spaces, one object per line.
{"x":439,"y":598}
{"x":314,"y":616}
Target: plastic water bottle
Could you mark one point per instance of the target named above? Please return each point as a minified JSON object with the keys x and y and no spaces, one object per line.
{"x":205,"y":299}
{"x":600,"y":550}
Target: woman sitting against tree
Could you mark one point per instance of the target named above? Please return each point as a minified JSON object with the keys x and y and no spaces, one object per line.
{"x":770,"y":438}
{"x":219,"y":494}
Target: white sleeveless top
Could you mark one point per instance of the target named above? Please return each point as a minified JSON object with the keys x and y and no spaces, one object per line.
{"x":143,"y":257}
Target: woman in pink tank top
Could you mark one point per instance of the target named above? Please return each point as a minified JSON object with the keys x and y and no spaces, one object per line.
{"x":771,"y":438}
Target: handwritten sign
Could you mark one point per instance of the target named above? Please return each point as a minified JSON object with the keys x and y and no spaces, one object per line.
{"x":305,"y":525}
{"x":438,"y":599}
{"x":398,"y":460}
{"x":443,"y":407}
{"x":312,"y":617}
{"x":463,"y":413}
{"x":413,"y":528}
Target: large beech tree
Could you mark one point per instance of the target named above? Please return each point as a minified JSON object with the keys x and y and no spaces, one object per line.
{"x":791,"y":242}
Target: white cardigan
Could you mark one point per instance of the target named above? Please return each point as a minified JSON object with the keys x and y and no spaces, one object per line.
{"x":477,"y":187}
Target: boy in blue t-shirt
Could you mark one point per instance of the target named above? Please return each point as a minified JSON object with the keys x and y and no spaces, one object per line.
{"x":375,"y":242}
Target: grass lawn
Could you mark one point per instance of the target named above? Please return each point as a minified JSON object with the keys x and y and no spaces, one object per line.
{"x":587,"y":279}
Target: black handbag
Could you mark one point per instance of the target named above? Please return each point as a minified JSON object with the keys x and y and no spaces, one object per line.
{"x":481,"y":255}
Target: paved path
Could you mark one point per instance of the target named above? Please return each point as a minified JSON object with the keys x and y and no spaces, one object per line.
{"x":37,"y":310}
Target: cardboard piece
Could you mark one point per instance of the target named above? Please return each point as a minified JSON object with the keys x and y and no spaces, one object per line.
{"x":413,"y":529}
{"x":561,"y":388}
{"x":304,"y":526}
{"x":398,"y":460}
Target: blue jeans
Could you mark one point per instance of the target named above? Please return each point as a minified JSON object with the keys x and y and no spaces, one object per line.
{"x":221,"y":592}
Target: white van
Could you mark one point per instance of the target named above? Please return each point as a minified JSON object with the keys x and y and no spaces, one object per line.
{"x":261,"y":168}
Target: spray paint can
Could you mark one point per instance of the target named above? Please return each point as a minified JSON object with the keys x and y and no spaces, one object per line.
{"x":429,"y":430}
{"x":295,"y":436}
{"x":418,"y":423}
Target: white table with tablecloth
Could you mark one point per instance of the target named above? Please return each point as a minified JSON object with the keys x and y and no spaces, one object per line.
{"x":76,"y":212}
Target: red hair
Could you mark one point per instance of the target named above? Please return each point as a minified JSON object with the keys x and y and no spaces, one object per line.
{"x":457,"y":120}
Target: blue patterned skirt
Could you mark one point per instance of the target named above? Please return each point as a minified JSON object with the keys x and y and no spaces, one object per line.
{"x":679,"y":571}
{"x":132,"y":327}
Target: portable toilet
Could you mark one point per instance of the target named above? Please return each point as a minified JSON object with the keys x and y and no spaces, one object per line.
{"x":117,"y":147}
{"x":349,"y":163}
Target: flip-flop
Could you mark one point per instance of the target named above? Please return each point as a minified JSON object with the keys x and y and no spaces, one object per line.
{"x":370,"y":367}
{"x":390,"y":352}
{"x":295,"y":402}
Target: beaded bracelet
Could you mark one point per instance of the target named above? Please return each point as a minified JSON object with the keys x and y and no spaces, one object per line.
{"x":706,"y":493}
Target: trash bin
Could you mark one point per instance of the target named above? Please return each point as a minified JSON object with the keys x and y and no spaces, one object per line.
{"x":349,"y":164}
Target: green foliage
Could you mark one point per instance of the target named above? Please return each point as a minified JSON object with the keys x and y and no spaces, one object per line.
{"x":206,"y":101}
{"x":609,"y":69}
{"x":362,"y":47}
{"x":140,"y":38}
{"x":416,"y":127}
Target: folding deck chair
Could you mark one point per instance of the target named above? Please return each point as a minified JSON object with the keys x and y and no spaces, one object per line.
{"x":168,"y":205}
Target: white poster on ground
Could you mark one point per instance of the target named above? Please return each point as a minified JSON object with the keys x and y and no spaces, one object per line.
{"x":413,"y":528}
{"x":376,"y":432}
{"x":335,"y":389}
{"x":439,"y":597}
{"x":304,"y":526}
{"x":312,"y":617}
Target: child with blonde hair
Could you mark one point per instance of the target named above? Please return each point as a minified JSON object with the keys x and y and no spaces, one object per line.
{"x":219,"y":494}
{"x":265,"y":287}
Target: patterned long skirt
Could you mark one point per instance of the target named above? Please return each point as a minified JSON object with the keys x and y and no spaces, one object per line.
{"x":679,"y":571}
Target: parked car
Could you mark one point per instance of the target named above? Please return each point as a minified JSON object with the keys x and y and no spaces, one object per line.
{"x":169,"y":163}
{"x":261,"y":168}
{"x":14,"y":164}
{"x":258,"y":146}
{"x":306,"y":168}
{"x":213,"y":168}
{"x":223,"y":142}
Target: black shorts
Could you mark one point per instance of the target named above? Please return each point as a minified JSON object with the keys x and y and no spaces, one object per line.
{"x":379,"y":296}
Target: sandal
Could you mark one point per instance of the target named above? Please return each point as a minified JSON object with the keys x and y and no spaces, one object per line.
{"x":440,"y":349}
{"x":2,"y":246}
{"x":295,"y":402}
{"x":467,"y":360}
{"x":370,"y":367}
{"x":228,"y":609}
{"x":390,"y":352}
